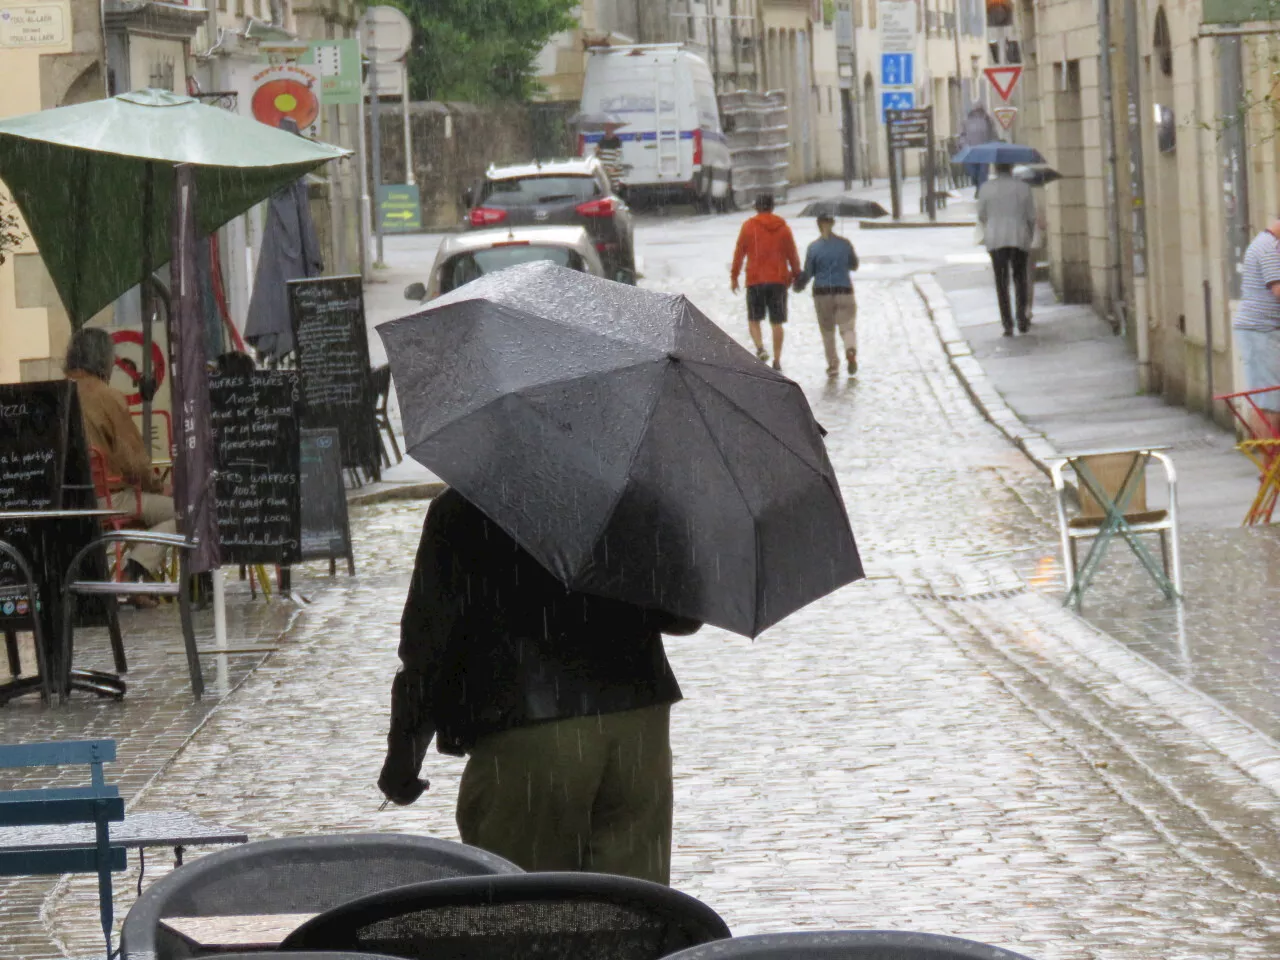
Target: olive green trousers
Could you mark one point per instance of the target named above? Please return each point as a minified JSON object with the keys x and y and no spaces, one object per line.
{"x":587,"y":793}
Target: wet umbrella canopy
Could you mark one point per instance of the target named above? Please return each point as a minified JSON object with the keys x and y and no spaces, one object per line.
{"x":78,"y":175}
{"x":591,"y":122}
{"x":1036,"y":174}
{"x":997,"y":151}
{"x":844,"y":207}
{"x":627,"y":442}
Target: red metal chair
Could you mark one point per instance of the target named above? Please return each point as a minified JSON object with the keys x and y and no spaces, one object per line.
{"x":1262,"y":446}
{"x":104,"y":484}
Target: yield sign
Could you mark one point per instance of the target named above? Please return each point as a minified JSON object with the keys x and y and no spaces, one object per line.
{"x":1005,"y":115}
{"x":1004,"y":79}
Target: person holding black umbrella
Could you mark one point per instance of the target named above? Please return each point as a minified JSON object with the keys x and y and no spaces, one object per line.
{"x":560,"y":700}
{"x":617,"y":471}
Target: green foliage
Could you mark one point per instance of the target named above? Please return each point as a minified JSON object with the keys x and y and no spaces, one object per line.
{"x":11,"y":235}
{"x":479,"y":50}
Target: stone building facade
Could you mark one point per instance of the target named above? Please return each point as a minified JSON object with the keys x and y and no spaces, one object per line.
{"x":1167,"y":140}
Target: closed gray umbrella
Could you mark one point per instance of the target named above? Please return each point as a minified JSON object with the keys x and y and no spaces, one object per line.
{"x":626,"y":442}
{"x":290,"y":251}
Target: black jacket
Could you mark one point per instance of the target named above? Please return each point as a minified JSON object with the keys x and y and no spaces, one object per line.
{"x":490,"y":640}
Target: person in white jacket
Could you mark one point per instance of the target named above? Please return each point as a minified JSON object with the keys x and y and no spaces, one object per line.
{"x":1007,"y":213}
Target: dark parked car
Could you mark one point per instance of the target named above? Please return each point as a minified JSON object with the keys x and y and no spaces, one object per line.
{"x":559,"y":192}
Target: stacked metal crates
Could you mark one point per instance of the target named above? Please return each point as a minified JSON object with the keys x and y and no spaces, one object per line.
{"x":756,"y":128}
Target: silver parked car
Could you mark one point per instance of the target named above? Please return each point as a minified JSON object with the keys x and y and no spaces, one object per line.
{"x":465,"y":256}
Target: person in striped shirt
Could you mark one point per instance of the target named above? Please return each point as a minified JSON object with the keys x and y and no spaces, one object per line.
{"x":1257,"y":320}
{"x":609,"y":152}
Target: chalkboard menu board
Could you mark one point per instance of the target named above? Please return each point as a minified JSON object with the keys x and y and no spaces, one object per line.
{"x":332,"y":345}
{"x":255,"y":438}
{"x":43,"y":466}
{"x":326,"y":531}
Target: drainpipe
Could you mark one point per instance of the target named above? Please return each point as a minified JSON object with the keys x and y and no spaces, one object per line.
{"x":1106,"y":85}
{"x":1203,"y":200}
{"x":1137,"y":191}
{"x":1231,"y":98}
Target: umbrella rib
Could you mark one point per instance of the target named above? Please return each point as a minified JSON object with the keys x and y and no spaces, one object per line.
{"x":472,"y":411}
{"x":631,"y":462}
{"x":755,"y":572}
{"x":739,"y":407}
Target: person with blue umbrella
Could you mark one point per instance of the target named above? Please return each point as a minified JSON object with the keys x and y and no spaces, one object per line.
{"x":1007,"y":218}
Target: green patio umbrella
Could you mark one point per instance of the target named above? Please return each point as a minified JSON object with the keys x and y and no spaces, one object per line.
{"x":89,"y":176}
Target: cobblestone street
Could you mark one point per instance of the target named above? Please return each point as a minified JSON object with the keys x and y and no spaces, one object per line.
{"x":940,"y":747}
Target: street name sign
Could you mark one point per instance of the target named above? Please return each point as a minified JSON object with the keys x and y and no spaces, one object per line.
{"x":908,"y":127}
{"x":1006,"y":116}
{"x":40,"y":26}
{"x":897,"y":69}
{"x":896,"y":100}
{"x":399,"y":207}
{"x":1004,"y":79}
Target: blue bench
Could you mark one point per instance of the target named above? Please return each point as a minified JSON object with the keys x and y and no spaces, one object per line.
{"x":65,"y":830}
{"x":97,"y":804}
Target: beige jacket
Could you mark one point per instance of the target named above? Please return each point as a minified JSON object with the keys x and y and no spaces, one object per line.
{"x":109,"y":428}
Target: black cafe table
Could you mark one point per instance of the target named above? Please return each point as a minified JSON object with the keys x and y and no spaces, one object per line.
{"x":48,"y":613}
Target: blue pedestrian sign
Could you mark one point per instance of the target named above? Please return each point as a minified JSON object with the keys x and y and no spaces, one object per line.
{"x":896,"y":100}
{"x":897,"y":69}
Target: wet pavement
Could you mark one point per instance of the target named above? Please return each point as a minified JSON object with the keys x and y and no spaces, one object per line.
{"x":940,"y":747}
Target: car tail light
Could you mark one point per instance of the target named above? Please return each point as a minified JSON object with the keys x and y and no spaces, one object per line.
{"x":512,"y":243}
{"x":602,"y":247}
{"x":487,"y":216}
{"x":604,"y":207}
{"x":697,"y":146}
{"x":582,"y":145}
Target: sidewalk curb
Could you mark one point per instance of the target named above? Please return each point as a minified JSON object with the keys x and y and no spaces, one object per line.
{"x":427,"y":490}
{"x":986,"y":398}
{"x":911,"y":224}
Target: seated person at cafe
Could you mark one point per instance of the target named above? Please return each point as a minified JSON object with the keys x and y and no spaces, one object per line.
{"x":110,"y":429}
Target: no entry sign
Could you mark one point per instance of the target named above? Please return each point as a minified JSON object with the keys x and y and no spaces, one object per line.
{"x":1004,"y":79}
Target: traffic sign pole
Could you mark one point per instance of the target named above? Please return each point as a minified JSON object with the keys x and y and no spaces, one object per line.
{"x":895,"y":188}
{"x":362,"y":156}
{"x":408,"y":136}
{"x":931,"y":197}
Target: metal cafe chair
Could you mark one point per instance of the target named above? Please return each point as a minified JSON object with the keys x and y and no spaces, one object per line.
{"x":1113,"y":502}
{"x":846,"y":945}
{"x":1261,"y":444}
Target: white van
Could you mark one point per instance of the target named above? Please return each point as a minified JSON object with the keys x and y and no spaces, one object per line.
{"x":672,"y":142}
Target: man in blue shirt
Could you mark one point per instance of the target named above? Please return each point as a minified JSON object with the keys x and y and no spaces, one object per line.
{"x":828,"y":262}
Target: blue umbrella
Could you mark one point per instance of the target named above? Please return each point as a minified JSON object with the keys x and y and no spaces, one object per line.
{"x":997,"y":151}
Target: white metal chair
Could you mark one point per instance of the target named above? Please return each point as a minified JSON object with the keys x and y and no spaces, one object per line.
{"x":1113,"y":501}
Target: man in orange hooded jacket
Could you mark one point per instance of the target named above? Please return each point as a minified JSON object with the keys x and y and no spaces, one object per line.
{"x":765,"y":242}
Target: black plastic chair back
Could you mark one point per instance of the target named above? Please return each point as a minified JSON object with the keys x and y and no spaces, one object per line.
{"x":548,"y":916}
{"x":292,"y":875}
{"x":847,"y":945}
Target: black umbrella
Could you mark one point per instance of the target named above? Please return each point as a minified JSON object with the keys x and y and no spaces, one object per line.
{"x":626,"y":442}
{"x":1036,"y":174}
{"x":844,"y":207}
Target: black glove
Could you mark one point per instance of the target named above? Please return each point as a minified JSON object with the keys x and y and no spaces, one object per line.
{"x":399,"y":787}
{"x":407,"y":742}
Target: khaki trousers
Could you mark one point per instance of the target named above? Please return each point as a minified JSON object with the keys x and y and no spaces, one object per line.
{"x":836,"y":311}
{"x":586,"y":793}
{"x":158,"y":516}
